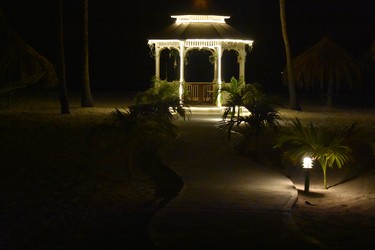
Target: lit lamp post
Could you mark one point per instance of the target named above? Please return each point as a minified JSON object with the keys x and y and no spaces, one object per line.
{"x":307,"y":165}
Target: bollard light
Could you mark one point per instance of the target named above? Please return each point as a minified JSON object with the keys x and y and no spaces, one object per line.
{"x":307,"y":165}
{"x":307,"y":162}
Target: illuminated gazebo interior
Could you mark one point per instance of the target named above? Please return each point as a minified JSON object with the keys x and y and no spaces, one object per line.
{"x":202,"y":29}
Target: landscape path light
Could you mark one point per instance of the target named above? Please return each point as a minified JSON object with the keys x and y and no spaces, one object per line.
{"x":307,"y":165}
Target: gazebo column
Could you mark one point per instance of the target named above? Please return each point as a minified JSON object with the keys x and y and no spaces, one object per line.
{"x":241,"y":61}
{"x":215,"y":72}
{"x":157,"y":61}
{"x":215,"y":68}
{"x":218,"y":77}
{"x":182,"y":69}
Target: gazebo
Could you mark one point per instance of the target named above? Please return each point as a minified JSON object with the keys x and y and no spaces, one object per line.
{"x":206,"y":29}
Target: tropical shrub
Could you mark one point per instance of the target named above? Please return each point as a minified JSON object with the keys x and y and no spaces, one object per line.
{"x":147,"y":126}
{"x":234,"y":91}
{"x":164,"y":96}
{"x":329,"y":146}
{"x":262,"y":115}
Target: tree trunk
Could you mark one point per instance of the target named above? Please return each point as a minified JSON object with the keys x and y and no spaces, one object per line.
{"x":325,"y":177}
{"x":293,"y":101}
{"x":64,"y":102}
{"x":323,"y":163}
{"x":86,"y":99}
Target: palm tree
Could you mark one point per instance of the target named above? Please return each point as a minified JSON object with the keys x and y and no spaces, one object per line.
{"x":163,"y":96}
{"x":263,"y":112}
{"x":327,"y":66}
{"x":329,"y":146}
{"x":263,"y":115}
{"x":64,"y":103}
{"x":293,"y":101}
{"x":235,"y":91}
{"x":86,"y":99}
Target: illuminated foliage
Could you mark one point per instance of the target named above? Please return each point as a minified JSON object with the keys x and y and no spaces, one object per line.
{"x":262,"y":116}
{"x":251,"y":97}
{"x":235,"y":91}
{"x":327,"y":145}
{"x":164,"y":96}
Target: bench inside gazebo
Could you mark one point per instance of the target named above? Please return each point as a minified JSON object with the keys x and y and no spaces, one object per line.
{"x":201,"y":92}
{"x":201,"y":28}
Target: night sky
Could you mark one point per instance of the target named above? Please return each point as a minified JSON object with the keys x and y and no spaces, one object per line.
{"x":118,"y":30}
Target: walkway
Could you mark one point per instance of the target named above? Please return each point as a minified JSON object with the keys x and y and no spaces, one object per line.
{"x":228,"y":201}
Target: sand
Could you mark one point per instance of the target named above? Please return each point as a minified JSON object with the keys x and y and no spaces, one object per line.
{"x":342,"y":216}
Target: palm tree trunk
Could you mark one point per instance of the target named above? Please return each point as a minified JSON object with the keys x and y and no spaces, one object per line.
{"x":64,"y":102}
{"x":86,"y":99}
{"x":293,"y":101}
{"x":325,"y":177}
{"x":323,"y":163}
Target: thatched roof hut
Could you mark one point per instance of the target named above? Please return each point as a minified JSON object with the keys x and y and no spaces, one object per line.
{"x":20,"y":64}
{"x":326,"y":66}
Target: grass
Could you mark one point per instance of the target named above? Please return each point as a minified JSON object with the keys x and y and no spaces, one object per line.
{"x":62,"y":185}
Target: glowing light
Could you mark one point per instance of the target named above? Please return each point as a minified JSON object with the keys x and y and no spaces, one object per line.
{"x":203,"y":108}
{"x":218,"y":45}
{"x":307,"y":162}
{"x":197,"y":43}
{"x":200,"y":18}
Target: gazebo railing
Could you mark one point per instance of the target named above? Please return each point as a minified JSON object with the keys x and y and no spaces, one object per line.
{"x":200,"y":91}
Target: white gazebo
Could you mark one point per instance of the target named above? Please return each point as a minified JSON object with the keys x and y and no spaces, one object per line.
{"x":196,"y":32}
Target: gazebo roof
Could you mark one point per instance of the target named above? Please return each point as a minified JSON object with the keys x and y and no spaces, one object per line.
{"x":199,"y":30}
{"x":200,"y":19}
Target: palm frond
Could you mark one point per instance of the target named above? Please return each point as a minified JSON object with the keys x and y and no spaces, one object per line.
{"x":326,"y":145}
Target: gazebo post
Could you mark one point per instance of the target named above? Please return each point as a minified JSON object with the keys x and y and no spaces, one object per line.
{"x":219,"y":54}
{"x":157,"y":61}
{"x":241,"y":61}
{"x":182,"y":72}
{"x":215,"y":72}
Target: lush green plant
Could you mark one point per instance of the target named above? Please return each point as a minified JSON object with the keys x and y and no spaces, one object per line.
{"x":327,"y":145}
{"x":142,"y":129}
{"x":262,"y":117}
{"x":164,"y":96}
{"x":262,"y":113}
{"x":235,"y":90}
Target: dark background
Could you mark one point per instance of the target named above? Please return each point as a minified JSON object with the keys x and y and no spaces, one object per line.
{"x":118,"y":33}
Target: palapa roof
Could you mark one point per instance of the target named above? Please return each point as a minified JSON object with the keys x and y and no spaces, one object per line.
{"x":20,"y":64}
{"x":325,"y":62}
